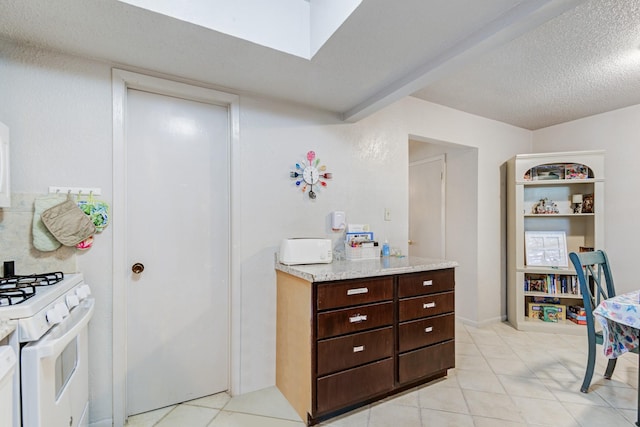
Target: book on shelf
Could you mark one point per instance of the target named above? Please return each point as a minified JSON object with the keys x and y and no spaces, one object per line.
{"x":551,"y":283}
{"x":580,"y":320}
{"x":578,"y":310}
{"x":577,"y":314}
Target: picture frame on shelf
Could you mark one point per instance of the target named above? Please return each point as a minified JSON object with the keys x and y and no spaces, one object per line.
{"x":529,"y":174}
{"x":587,"y":203}
{"x":547,"y":172}
{"x":576,"y":171}
{"x":546,"y":249}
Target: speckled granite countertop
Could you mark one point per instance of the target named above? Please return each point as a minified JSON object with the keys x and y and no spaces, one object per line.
{"x":341,"y":270}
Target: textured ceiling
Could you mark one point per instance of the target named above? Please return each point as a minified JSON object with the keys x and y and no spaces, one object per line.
{"x":584,"y":62}
{"x":530,"y":63}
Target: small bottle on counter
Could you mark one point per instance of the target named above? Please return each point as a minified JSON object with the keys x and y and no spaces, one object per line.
{"x":385,"y":248}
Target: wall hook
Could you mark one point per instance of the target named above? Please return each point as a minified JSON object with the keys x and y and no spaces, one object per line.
{"x":76,"y":190}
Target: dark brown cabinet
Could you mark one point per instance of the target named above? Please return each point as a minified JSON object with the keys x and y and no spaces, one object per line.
{"x":336,"y":354}
{"x":426,"y":324}
{"x":354,"y":319}
{"x":369,"y":338}
{"x":352,"y":386}
{"x":366,"y":357}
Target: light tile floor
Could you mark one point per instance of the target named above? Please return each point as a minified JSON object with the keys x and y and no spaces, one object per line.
{"x":503,"y":378}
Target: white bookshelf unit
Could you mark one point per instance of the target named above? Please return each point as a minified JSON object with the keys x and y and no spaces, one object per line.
{"x":558,"y":178}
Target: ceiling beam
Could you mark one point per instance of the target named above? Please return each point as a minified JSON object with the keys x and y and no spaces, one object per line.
{"x":518,"y":20}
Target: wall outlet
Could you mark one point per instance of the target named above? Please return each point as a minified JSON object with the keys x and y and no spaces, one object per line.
{"x":387,"y":214}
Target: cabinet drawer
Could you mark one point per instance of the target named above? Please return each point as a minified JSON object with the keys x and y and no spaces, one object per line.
{"x":348,"y":387}
{"x":354,"y":319}
{"x":336,"y":354}
{"x":431,"y":330}
{"x":426,"y":361}
{"x":354,"y":292}
{"x":426,"y":282}
{"x":428,"y":305}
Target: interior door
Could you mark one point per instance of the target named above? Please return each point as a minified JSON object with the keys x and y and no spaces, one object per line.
{"x":426,"y":208}
{"x":178,"y":244}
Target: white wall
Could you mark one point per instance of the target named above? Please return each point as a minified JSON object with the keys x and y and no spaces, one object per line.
{"x":58,"y":108}
{"x":616,"y":132}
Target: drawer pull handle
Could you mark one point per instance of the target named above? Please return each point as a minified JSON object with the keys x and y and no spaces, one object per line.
{"x":358,"y":318}
{"x":358,"y":349}
{"x":427,"y":283}
{"x":357,"y":291}
{"x":429,"y":305}
{"x":429,"y":329}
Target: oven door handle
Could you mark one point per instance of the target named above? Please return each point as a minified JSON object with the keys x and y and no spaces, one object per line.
{"x":54,"y":342}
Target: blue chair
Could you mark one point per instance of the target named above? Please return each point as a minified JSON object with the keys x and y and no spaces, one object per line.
{"x":596,"y":284}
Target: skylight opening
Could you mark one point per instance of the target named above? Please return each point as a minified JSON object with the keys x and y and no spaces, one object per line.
{"x":296,"y":27}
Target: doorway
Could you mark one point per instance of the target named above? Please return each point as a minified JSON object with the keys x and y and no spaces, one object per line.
{"x":173,"y":163}
{"x":460,"y":228}
{"x":427,"y":207}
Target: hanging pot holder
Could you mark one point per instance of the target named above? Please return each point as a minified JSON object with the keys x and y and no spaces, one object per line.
{"x":86,"y":243}
{"x":43,"y":240}
{"x":68,"y":223}
{"x":97,"y":210}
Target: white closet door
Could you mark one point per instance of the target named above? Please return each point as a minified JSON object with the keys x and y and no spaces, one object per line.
{"x":178,"y":228}
{"x":426,"y":208}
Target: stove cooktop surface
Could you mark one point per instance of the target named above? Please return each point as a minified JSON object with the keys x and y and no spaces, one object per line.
{"x":23,"y":296}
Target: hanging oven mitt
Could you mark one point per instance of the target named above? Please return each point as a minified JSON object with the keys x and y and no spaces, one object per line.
{"x":43,"y":240}
{"x":68,"y":223}
{"x":97,"y":210}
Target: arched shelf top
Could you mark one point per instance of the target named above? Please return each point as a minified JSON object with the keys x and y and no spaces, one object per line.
{"x":527,"y":166}
{"x":558,"y":171}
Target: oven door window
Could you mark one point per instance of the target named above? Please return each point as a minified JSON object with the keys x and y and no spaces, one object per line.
{"x":66,"y":364}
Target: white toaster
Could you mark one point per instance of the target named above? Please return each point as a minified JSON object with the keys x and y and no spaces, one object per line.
{"x":305,"y":251}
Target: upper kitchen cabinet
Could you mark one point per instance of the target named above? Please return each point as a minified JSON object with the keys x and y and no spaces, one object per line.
{"x":555,"y":206}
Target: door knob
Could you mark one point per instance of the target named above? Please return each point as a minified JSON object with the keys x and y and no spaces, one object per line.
{"x":137,"y":268}
{"x":411,"y":242}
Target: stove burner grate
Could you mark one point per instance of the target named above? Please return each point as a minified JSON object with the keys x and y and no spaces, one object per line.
{"x":15,"y":296}
{"x":44,"y":279}
{"x":17,"y":289}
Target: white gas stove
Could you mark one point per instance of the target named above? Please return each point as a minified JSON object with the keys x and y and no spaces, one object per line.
{"x":51,"y":313}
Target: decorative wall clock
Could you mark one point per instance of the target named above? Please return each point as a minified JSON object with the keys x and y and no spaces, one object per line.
{"x":308,"y":174}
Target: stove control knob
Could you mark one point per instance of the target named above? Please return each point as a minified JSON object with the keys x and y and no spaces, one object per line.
{"x":81,"y":293}
{"x":87,"y":289}
{"x":62,"y":309}
{"x":72,"y":300}
{"x":53,"y":317}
